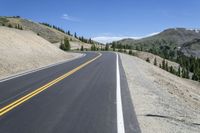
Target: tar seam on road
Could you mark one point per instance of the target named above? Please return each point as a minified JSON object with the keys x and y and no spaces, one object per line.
{"x":120,"y":118}
{"x":23,"y":99}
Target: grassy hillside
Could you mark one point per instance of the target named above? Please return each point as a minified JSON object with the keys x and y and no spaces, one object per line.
{"x":50,"y":33}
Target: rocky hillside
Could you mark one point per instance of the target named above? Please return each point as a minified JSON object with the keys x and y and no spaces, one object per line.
{"x":191,"y":48}
{"x":174,"y":39}
{"x":48,"y":33}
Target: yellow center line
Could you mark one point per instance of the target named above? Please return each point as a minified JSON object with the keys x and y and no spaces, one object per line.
{"x":46,"y":86}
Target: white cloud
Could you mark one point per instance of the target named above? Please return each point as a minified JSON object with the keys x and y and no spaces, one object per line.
{"x":69,"y":18}
{"x":109,"y":39}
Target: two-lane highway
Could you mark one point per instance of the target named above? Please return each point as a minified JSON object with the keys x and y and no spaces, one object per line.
{"x":86,"y":95}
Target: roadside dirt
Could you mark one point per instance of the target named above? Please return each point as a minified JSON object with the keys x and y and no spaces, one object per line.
{"x":164,"y":103}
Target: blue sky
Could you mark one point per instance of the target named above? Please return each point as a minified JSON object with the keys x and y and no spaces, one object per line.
{"x":108,"y":19}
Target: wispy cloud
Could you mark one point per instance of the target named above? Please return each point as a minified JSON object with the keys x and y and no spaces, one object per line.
{"x":69,"y":18}
{"x":108,"y":39}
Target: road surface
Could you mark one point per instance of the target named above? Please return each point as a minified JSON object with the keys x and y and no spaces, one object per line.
{"x":85,"y":95}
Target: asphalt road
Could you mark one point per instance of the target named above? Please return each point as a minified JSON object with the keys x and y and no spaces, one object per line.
{"x":74,"y":97}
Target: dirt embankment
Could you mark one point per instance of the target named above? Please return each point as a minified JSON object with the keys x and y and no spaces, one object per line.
{"x":164,"y":103}
{"x":24,"y":50}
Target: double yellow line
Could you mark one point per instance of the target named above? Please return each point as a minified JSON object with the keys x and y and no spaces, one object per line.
{"x":39,"y":90}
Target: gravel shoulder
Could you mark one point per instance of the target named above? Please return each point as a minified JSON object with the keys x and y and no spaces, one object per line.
{"x":163,"y":102}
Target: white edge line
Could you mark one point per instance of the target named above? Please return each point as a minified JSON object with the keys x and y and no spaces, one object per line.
{"x":120,"y":118}
{"x":38,"y":69}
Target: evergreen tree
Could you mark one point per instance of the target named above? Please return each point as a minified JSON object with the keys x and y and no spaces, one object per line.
{"x":155,"y":61}
{"x":160,"y":65}
{"x":82,"y":48}
{"x":107,"y":47}
{"x":113,"y":46}
{"x":179,"y":71}
{"x":101,"y":48}
{"x":183,"y":73}
{"x":75,"y":35}
{"x":194,"y":77}
{"x":171,"y":69}
{"x":65,"y":45}
{"x":93,"y":47}
{"x":187,"y":74}
{"x":163,"y":64}
{"x":68,"y":32}
{"x":130,"y":52}
{"x":166,"y":66}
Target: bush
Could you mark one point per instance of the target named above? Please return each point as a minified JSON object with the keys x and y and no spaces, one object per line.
{"x":130,"y":52}
{"x":10,"y":26}
{"x":148,"y":60}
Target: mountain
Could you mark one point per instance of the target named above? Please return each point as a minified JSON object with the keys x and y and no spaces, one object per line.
{"x":174,"y":39}
{"x":52,"y":34}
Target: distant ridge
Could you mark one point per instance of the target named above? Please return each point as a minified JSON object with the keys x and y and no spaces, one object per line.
{"x":174,"y":38}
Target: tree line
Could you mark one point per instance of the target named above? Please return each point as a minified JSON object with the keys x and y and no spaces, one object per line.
{"x":81,"y":38}
{"x":189,"y":66}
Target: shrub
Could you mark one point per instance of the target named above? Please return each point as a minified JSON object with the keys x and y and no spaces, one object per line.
{"x":148,"y":60}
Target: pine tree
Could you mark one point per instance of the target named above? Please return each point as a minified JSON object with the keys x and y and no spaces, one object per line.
{"x":65,"y":45}
{"x":187,"y":74}
{"x":75,"y":35}
{"x":183,"y":73}
{"x":101,"y":48}
{"x":82,"y":48}
{"x":194,"y":77}
{"x":130,"y":52}
{"x":107,"y":47}
{"x":155,"y":61}
{"x":163,"y":64}
{"x":69,"y":33}
{"x":93,"y":47}
{"x":171,"y":69}
{"x":166,"y":66}
{"x":113,"y":46}
{"x":179,"y":71}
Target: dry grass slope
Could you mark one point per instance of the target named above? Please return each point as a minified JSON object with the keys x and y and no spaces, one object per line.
{"x":23,"y":50}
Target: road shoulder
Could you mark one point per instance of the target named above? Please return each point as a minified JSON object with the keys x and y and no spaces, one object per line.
{"x":162,"y":101}
{"x":130,"y":119}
